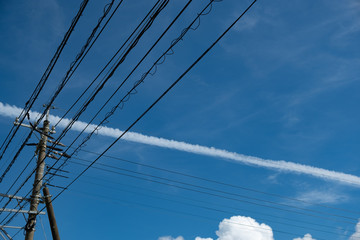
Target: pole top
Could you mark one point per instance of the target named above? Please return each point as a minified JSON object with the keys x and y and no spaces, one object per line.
{"x":48,"y":110}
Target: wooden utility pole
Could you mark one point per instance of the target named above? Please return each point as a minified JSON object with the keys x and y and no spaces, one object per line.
{"x":51,"y":214}
{"x":36,"y":194}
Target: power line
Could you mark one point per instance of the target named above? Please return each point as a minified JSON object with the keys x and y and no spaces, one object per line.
{"x":176,"y":40}
{"x":150,"y":206}
{"x":137,"y":83}
{"x":37,"y":91}
{"x":80,"y":56}
{"x":159,"y":6}
{"x":18,"y":177}
{"x":218,"y":182}
{"x":114,"y":167}
{"x":145,"y":27}
{"x":147,"y":109}
{"x":92,"y":43}
{"x":73,"y":66}
{"x":132,"y":44}
{"x":215,"y":209}
{"x":221,"y":191}
{"x":218,"y":193}
{"x":161,"y":96}
{"x":169,"y":193}
{"x":182,"y":34}
{"x":44,"y":78}
{"x":106,"y":9}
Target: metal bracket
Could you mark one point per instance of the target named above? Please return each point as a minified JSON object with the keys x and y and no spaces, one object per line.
{"x":20,"y":211}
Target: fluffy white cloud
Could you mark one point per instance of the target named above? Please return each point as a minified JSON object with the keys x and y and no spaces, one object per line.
{"x":170,"y":238}
{"x":306,"y":237}
{"x":356,"y":235}
{"x":242,"y":228}
{"x":246,"y":228}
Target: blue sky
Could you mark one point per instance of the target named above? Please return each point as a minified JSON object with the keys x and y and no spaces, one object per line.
{"x":282,"y":85}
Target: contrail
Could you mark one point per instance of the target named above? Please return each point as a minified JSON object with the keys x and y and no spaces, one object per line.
{"x":13,"y":111}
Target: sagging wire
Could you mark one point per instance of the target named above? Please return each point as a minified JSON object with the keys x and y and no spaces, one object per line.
{"x":206,"y":10}
{"x":43,"y":80}
{"x":61,"y":85}
{"x":78,"y":57}
{"x":102,"y":29}
{"x":147,"y":25}
{"x":158,"y":62}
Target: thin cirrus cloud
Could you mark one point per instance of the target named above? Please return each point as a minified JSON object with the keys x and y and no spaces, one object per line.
{"x":285,"y":166}
{"x":322,"y":196}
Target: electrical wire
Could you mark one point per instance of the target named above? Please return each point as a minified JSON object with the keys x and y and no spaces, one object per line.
{"x":102,"y":29}
{"x":159,"y":6}
{"x":162,"y":95}
{"x":80,"y":56}
{"x":215,"y":192}
{"x":220,"y":183}
{"x":43,"y":229}
{"x":182,"y":34}
{"x":220,"y":191}
{"x":104,"y":68}
{"x":165,"y":32}
{"x":170,"y":193}
{"x":146,"y":26}
{"x":159,"y":98}
{"x":73,"y":66}
{"x":221,"y":210}
{"x":83,"y":56}
{"x":28,"y":105}
{"x":151,"y":206}
{"x":149,"y":107}
{"x":137,"y":83}
{"x":114,"y":93}
{"x":131,"y":126}
{"x":41,"y":85}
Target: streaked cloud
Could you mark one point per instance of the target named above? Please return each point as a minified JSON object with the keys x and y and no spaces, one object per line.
{"x":285,"y":166}
{"x":318,"y":196}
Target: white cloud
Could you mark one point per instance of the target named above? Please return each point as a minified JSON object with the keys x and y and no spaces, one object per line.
{"x":243,"y":228}
{"x":170,"y":238}
{"x":356,"y":235}
{"x":306,"y":237}
{"x":246,"y":228}
{"x":239,"y":228}
{"x":12,"y":111}
{"x":327,"y":196}
{"x":248,"y":23}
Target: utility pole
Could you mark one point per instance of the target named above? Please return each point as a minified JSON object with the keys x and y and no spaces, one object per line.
{"x":51,"y":214}
{"x":36,"y":194}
